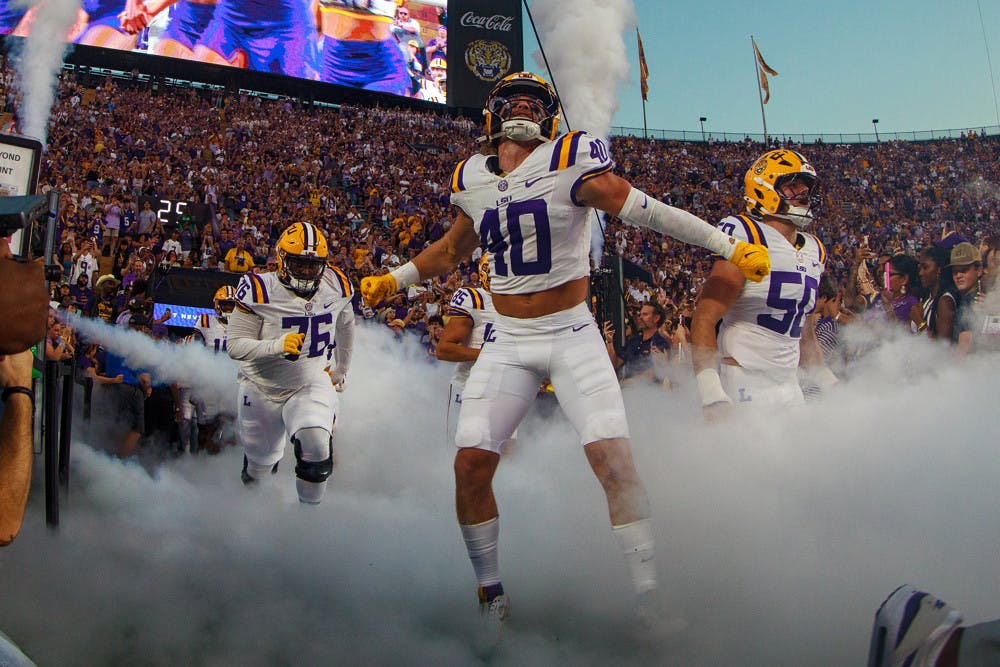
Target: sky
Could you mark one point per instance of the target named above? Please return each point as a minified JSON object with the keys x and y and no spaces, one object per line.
{"x":778,"y":533}
{"x":913,"y":64}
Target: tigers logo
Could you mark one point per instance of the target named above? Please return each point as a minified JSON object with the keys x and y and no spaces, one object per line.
{"x":488,"y":60}
{"x":760,"y":165}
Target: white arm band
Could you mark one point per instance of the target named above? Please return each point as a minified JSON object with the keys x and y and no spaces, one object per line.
{"x":710,"y":388}
{"x":641,"y":209}
{"x":243,"y":338}
{"x":405,"y":275}
{"x":345,"y":340}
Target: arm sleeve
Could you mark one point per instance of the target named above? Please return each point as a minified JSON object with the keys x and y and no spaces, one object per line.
{"x":345,"y":339}
{"x":641,"y":209}
{"x":243,"y":338}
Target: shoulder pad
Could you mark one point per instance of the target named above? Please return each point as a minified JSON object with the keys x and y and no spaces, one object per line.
{"x":342,"y":281}
{"x":251,"y":289}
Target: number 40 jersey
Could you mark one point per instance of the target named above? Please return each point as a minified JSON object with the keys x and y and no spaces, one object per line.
{"x":762,"y":329}
{"x":530,"y":220}
{"x":279,"y":311}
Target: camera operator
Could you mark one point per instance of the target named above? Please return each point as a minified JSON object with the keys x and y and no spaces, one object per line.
{"x":24,"y":307}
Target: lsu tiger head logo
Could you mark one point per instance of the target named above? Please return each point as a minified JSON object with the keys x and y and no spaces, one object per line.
{"x":488,"y":60}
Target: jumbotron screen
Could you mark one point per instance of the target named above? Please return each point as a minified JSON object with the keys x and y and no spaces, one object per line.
{"x":379,"y":45}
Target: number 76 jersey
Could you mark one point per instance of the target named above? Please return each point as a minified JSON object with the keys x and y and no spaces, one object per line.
{"x":762,"y":329}
{"x":530,"y":220}
{"x":278,"y":312}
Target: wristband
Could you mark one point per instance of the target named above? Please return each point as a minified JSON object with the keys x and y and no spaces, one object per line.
{"x":824,"y":378}
{"x":710,"y":388}
{"x":19,"y":390}
{"x":406,"y":275}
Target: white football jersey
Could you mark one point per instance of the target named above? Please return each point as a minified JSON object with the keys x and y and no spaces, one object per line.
{"x":212,"y":331}
{"x":762,"y":329}
{"x":284,"y":312}
{"x":476,"y":304}
{"x":530,"y":220}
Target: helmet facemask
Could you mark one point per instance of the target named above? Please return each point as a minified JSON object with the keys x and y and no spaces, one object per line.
{"x":791,"y":209}
{"x":506,"y":120}
{"x":300,"y":273}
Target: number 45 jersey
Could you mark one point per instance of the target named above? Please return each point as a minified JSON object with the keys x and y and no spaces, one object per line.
{"x":762,"y":329}
{"x":530,"y":219}
{"x":280,"y":311}
{"x":476,"y":304}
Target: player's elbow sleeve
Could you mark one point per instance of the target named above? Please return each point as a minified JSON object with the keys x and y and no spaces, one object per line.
{"x":641,"y":209}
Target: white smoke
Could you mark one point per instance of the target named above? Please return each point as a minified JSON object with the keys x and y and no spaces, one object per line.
{"x":584,"y":45}
{"x":39,"y":61}
{"x":214,"y":375}
{"x":778,"y":533}
{"x":583,"y":42}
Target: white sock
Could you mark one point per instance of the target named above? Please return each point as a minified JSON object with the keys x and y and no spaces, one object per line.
{"x":258,"y":471}
{"x":481,"y":540}
{"x":636,"y":542}
{"x":310,"y":492}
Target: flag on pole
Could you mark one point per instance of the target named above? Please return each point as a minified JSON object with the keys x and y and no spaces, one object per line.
{"x":643,"y":69}
{"x":764,"y":70}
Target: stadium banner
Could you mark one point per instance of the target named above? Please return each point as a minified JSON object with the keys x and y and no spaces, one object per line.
{"x":386,"y":46}
{"x":486,"y":45}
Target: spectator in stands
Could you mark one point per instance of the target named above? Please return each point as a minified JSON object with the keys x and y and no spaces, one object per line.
{"x":940,"y":302}
{"x":84,"y":262}
{"x":238,"y":259}
{"x":976,"y":326}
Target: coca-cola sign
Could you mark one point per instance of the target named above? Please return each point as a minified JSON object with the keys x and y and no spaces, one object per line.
{"x":494,"y":22}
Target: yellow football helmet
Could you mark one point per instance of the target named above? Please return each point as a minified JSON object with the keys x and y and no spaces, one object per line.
{"x":484,"y":271}
{"x":301,"y":255}
{"x":764,"y":178}
{"x":498,"y":110}
{"x":438,"y":69}
{"x":225,"y":301}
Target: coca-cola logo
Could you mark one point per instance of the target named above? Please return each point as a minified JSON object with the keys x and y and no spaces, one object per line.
{"x":495,"y":22}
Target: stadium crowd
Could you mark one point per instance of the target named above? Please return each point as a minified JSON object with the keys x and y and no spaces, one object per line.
{"x":375,"y":180}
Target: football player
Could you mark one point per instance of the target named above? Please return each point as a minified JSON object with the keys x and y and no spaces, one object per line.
{"x":765,"y":332}
{"x":276,"y":37}
{"x":212,"y":417}
{"x":529,"y":203}
{"x":188,"y":20}
{"x":287,"y":327}
{"x":432,"y":88}
{"x":470,"y":325}
{"x":358,"y":47}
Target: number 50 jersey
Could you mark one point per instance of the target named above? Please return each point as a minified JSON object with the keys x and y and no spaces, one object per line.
{"x":530,"y":220}
{"x":762,"y":329}
{"x":279,"y":311}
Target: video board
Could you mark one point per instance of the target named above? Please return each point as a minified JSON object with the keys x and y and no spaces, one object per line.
{"x":385,"y":46}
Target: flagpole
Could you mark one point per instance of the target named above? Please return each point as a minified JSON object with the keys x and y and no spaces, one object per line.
{"x":760,"y":94}
{"x":641,"y":93}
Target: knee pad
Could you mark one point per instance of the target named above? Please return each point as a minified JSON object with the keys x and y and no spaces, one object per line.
{"x":313,"y":454}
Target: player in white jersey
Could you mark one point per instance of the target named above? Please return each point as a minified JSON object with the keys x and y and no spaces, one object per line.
{"x":765,"y":328}
{"x":470,"y":325}
{"x":288,"y":328}
{"x":529,"y":203}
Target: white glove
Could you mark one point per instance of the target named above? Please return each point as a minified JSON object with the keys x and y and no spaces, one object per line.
{"x":339,"y":379}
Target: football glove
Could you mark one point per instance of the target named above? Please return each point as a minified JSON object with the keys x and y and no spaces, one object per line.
{"x":339,"y":379}
{"x":752,"y":260}
{"x":376,"y":288}
{"x":293,"y":344}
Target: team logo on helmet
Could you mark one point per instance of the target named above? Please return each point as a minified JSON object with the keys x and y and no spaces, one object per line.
{"x":763,"y":183}
{"x":488,"y":60}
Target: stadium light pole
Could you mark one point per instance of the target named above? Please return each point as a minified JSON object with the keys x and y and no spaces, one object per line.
{"x":875,"y":125}
{"x":702,"y":120}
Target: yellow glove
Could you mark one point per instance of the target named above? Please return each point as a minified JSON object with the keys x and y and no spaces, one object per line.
{"x":752,"y":260}
{"x":376,"y":288}
{"x":293,"y":344}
